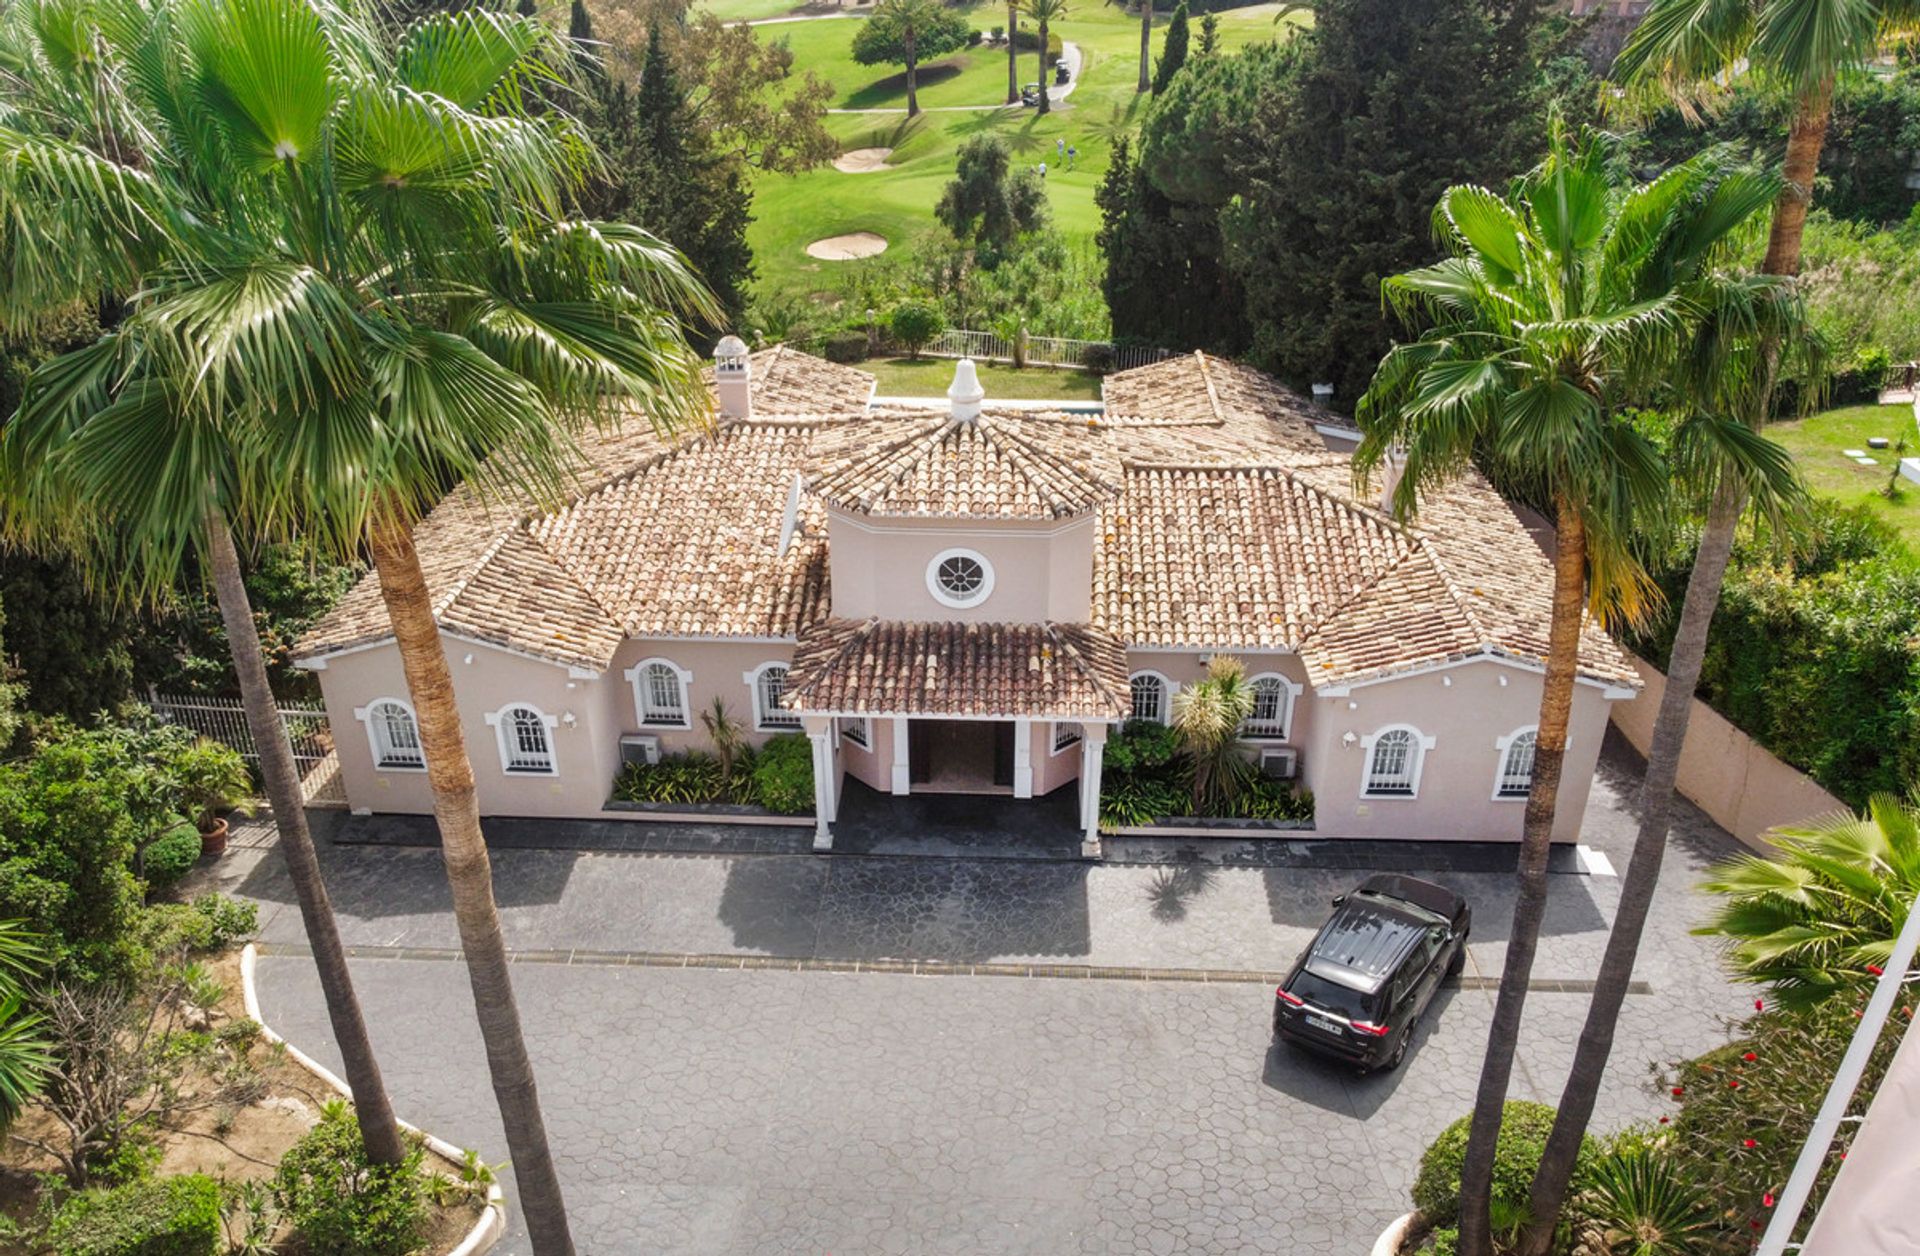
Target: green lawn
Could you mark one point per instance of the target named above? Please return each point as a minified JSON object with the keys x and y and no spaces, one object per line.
{"x":756,"y":10}
{"x":929,"y":377}
{"x":897,"y":203}
{"x":1816,"y":443}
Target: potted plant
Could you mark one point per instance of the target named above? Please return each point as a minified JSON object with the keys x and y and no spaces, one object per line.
{"x":213,"y":783}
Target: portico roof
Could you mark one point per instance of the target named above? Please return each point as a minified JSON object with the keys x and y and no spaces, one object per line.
{"x":974,"y":670}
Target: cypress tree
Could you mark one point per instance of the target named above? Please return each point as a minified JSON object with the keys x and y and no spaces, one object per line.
{"x":1341,"y":163}
{"x":585,"y":48}
{"x":1173,"y":50}
{"x":1165,"y":282}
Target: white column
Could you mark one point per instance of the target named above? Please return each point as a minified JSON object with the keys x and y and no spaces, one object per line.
{"x":902,"y":780}
{"x":825,"y":785}
{"x":1023,"y":758}
{"x":1093,"y":748}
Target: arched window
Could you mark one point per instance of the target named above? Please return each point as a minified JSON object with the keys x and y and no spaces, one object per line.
{"x":526,"y":740}
{"x":395,"y":736}
{"x":1394,"y":758}
{"x":768,"y":682}
{"x":1272,"y":707}
{"x":1516,"y":764}
{"x":1149,"y":697}
{"x":660,"y":693}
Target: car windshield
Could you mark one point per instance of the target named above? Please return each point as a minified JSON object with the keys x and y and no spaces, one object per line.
{"x":1350,"y":1003}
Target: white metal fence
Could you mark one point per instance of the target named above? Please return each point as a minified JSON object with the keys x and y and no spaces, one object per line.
{"x":959,"y":342}
{"x":225,"y":720}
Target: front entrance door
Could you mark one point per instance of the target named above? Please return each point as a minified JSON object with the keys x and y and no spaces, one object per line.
{"x":960,"y":756}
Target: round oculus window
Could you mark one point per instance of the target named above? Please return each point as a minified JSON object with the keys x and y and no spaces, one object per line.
{"x":959,"y":578}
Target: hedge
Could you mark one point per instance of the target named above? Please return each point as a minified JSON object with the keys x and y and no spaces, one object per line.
{"x":169,"y":1216}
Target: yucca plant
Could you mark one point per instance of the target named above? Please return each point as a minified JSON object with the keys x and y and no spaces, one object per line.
{"x":1637,"y":1203}
{"x":1208,"y":716}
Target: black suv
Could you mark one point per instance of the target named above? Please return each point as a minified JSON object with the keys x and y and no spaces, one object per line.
{"x":1358,"y":991}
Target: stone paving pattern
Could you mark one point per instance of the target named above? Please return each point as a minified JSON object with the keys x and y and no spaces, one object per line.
{"x":706,"y":1110}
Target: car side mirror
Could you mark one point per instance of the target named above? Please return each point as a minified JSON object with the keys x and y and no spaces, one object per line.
{"x":1339,"y":900}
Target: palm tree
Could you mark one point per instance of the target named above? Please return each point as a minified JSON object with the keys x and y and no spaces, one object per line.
{"x":1820,"y":918}
{"x":1208,"y":716}
{"x":1043,"y":13}
{"x":1146,"y":43}
{"x":1682,"y":46}
{"x":374,"y":297}
{"x":88,"y":118}
{"x":1013,"y":52}
{"x":25,"y":1054}
{"x":1560,"y":304}
{"x":1728,"y":468}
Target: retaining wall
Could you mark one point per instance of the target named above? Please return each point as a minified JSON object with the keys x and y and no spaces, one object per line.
{"x":1724,"y":772}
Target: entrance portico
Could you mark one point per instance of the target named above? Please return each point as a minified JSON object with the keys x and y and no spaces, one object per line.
{"x":1019,"y":710}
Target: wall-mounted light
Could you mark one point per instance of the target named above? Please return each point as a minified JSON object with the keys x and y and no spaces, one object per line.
{"x":569,"y":718}
{"x":1349,"y":740}
{"x":1503,"y":682}
{"x":1352,"y":705}
{"x":1446,"y":682}
{"x":467,"y":658}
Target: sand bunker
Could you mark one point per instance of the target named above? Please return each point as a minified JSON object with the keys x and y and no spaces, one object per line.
{"x":844,"y":248}
{"x":862,"y":160}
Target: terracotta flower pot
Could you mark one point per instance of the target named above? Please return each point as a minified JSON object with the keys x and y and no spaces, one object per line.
{"x":213,"y":841}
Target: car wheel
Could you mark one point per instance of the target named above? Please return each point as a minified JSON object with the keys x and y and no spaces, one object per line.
{"x":1459,"y":960}
{"x":1392,"y":1062}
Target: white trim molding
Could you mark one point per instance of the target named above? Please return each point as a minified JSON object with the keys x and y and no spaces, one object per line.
{"x":784,"y":721}
{"x":1167,"y":689}
{"x":1418,"y":746}
{"x":503,"y":728}
{"x":1292,"y":691}
{"x":939,"y":591}
{"x":637,"y":674}
{"x":1610,"y":690}
{"x":378,"y":745}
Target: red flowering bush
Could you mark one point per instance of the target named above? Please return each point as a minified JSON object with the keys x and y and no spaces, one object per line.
{"x":1742,"y":1111}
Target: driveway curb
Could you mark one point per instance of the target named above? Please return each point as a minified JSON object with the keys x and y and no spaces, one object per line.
{"x":492,"y":1224}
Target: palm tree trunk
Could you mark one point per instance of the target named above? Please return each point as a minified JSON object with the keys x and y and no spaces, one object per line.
{"x":1551,"y":1179}
{"x":913,"y":98}
{"x":1044,"y":105}
{"x":1013,"y":54}
{"x":470,"y":874}
{"x":371,"y":1107}
{"x":1805,"y":137}
{"x":1530,"y":904}
{"x":1146,"y":45}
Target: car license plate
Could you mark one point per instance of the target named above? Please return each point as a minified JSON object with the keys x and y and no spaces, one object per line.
{"x":1321,"y":1022}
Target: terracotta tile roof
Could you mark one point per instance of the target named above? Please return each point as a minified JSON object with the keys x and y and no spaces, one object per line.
{"x":885,"y":667}
{"x":1001,"y":466}
{"x":787,"y":381}
{"x":1224,"y":528}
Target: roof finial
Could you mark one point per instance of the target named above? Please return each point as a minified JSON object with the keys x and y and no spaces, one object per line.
{"x":965,"y":392}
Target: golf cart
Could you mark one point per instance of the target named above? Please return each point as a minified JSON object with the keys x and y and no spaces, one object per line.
{"x":1030,"y":95}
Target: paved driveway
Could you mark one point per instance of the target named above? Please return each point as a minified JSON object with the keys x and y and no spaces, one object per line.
{"x":808,"y":1109}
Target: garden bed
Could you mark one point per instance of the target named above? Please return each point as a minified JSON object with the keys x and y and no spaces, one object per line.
{"x":268,"y":1103}
{"x":1225,"y":826}
{"x":722,"y":811}
{"x":771,"y":780}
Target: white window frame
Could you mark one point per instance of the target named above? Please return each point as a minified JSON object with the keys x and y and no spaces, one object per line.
{"x":1419,"y":748}
{"x":857,"y":729}
{"x":1505,"y":746}
{"x":941,"y":596}
{"x":637,"y":677}
{"x":503,"y":729}
{"x":369,"y":715}
{"x":1166,"y":694}
{"x":784,"y":721}
{"x":1075,"y":732}
{"x":1290,"y":692}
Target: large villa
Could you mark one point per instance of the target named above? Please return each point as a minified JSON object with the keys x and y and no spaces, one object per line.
{"x":971,"y":598}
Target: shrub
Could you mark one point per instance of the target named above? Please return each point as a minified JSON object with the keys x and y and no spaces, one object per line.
{"x":339,"y":1203}
{"x":212,"y":778}
{"x":915,"y":324}
{"x":1264,"y":798}
{"x":1636,"y":1199}
{"x":1098,"y":358}
{"x":211,"y":922}
{"x":974,"y":37}
{"x":1141,"y":744}
{"x":1026,"y":39}
{"x":1523,"y":1136}
{"x":688,"y":777}
{"x":783,"y":775}
{"x":168,"y":857}
{"x":845,"y":347}
{"x":171,"y":1216}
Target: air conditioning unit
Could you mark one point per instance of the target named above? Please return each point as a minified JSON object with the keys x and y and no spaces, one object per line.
{"x":1282,"y":763}
{"x":639,"y":748}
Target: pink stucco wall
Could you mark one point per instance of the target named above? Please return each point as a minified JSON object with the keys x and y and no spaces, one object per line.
{"x":1041,"y":570}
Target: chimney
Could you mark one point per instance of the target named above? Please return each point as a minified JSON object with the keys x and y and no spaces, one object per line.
{"x":733,"y":378}
{"x":1323,"y":394}
{"x":1391,"y":469}
{"x":965,"y":392}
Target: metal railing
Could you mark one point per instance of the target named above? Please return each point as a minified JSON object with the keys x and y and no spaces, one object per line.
{"x":225,"y":721}
{"x":984,"y":346}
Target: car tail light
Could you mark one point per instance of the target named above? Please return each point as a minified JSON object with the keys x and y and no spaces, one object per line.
{"x":1291,"y":1000}
{"x":1368,"y":1027}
